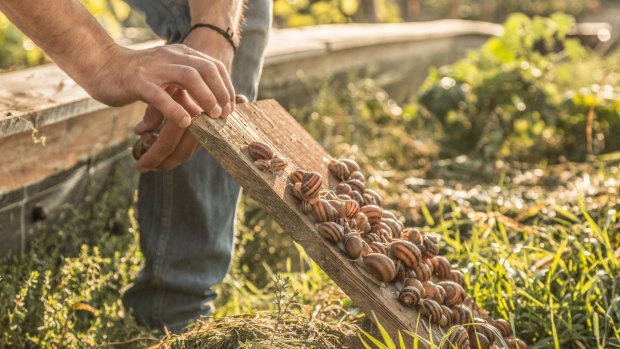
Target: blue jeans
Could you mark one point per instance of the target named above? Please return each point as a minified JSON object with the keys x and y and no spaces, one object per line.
{"x":187,"y":215}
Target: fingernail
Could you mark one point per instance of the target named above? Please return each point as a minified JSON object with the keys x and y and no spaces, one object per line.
{"x":216,"y":111}
{"x":227,"y":109}
{"x":186,"y":121}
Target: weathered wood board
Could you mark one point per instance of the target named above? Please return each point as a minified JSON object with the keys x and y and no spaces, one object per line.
{"x":267,"y":122}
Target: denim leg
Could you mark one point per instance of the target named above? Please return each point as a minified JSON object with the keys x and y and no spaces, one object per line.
{"x":187,"y":215}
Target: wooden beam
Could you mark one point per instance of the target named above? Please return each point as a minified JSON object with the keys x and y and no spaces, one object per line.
{"x":267,"y":122}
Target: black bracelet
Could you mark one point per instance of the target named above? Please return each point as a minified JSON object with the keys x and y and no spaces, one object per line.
{"x":227,"y":34}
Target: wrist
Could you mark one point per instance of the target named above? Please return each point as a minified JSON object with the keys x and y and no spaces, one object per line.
{"x":212,"y":44}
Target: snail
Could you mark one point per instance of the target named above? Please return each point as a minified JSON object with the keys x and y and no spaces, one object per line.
{"x":296,"y":176}
{"x":422,"y":271}
{"x":412,"y":235}
{"x":378,"y":199}
{"x":357,"y":175}
{"x":455,"y":294}
{"x":343,"y":188}
{"x":406,"y":252}
{"x":356,"y":185}
{"x":411,"y":282}
{"x":263,"y":165}
{"x":441,"y":267}
{"x":457,"y":338}
{"x":305,"y":207}
{"x":457,"y":277}
{"x":429,"y":246}
{"x":461,"y":314}
{"x":339,"y":170}
{"x":390,"y":215}
{"x":350,"y":209}
{"x":351,"y":165}
{"x":260,"y":151}
{"x":378,"y":247}
{"x":395,"y":226}
{"x":368,"y":199}
{"x":410,"y":296}
{"x":380,"y":266}
{"x":516,"y":343}
{"x":434,"y":292}
{"x":479,"y":341}
{"x":355,"y":195}
{"x":502,"y":326}
{"x":480,"y":326}
{"x":311,"y":186}
{"x":447,"y":313}
{"x":354,"y":246}
{"x":278,"y":164}
{"x":330,"y":231}
{"x":430,"y":309}
{"x":373,"y":213}
{"x":143,"y":144}
{"x":322,"y":211}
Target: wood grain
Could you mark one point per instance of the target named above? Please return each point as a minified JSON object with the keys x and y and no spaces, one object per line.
{"x":267,"y":122}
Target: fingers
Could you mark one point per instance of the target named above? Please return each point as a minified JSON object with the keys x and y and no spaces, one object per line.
{"x":165,"y":104}
{"x":240,"y":99}
{"x":184,"y":150}
{"x":150,"y":122}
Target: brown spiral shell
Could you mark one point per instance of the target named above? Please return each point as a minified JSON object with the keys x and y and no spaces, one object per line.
{"x":350,"y":209}
{"x":412,"y":235}
{"x":429,"y":247}
{"x":351,"y":164}
{"x":515,"y":343}
{"x":322,"y":211}
{"x":441,"y":267}
{"x":390,"y":215}
{"x":378,"y":247}
{"x":260,"y":150}
{"x":410,"y":296}
{"x":411,"y":282}
{"x":356,"y":185}
{"x":296,"y":176}
{"x":380,"y":266}
{"x":455,"y":294}
{"x":330,"y":231}
{"x":263,"y":165}
{"x":457,"y":277}
{"x":354,"y":246}
{"x":376,"y":196}
{"x":482,"y":327}
{"x":278,"y":164}
{"x":311,"y":186}
{"x":343,"y":188}
{"x":503,"y":327}
{"x":339,"y":170}
{"x":357,"y":175}
{"x":434,"y":292}
{"x":430,"y":309}
{"x":395,"y":226}
{"x":479,"y":341}
{"x":458,"y":338}
{"x":423,"y":271}
{"x":373,"y":213}
{"x":461,"y":314}
{"x":357,"y":197}
{"x":305,"y":207}
{"x":368,"y":200}
{"x":143,"y":144}
{"x":406,"y":252}
{"x":447,"y":313}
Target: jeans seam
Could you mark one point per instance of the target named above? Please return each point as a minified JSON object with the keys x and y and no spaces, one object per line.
{"x":162,"y":242}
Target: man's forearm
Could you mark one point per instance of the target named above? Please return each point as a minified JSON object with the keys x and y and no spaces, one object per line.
{"x":65,"y":30}
{"x":222,"y":13}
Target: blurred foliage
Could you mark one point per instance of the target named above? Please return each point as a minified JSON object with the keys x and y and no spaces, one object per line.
{"x":528,"y":95}
{"x":16,"y":50}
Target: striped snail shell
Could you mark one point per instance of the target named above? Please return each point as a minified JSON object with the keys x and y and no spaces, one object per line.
{"x":278,"y":164}
{"x":338,"y":206}
{"x":143,"y":144}
{"x":429,"y":246}
{"x":444,"y":321}
{"x":378,"y":247}
{"x":357,"y":175}
{"x":373,"y":213}
{"x":354,"y":246}
{"x":260,"y":151}
{"x":343,"y":188}
{"x":330,"y":231}
{"x":482,"y":327}
{"x":376,"y":196}
{"x":345,"y":197}
{"x":390,"y":215}
{"x":434,"y":292}
{"x":296,"y":176}
{"x":368,"y":200}
{"x":372,"y":237}
{"x":503,"y":327}
{"x":430,"y":309}
{"x":380,"y":266}
{"x":305,"y":207}
{"x":461,"y":314}
{"x":263,"y":165}
{"x":362,"y":223}
{"x":356,"y":185}
{"x":406,"y":252}
{"x":422,"y":271}
{"x":357,"y":197}
{"x":457,"y":277}
{"x":311,"y":186}
{"x":409,"y":296}
{"x":516,"y":343}
{"x":351,"y":164}
{"x":458,"y":338}
{"x":455,"y":294}
{"x":350,"y":209}
{"x":339,"y":170}
{"x":322,"y":211}
{"x":447,"y":313}
{"x":411,"y":282}
{"x":479,"y":341}
{"x":441,"y":267}
{"x":328,"y":194}
{"x":295,"y":190}
{"x":395,"y":226}
{"x":412,"y":235}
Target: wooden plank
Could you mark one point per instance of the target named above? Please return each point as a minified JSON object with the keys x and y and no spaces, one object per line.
{"x":268,"y":122}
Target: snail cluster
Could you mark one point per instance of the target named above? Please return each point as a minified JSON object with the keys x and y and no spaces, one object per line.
{"x":265,"y":159}
{"x":352,"y":217}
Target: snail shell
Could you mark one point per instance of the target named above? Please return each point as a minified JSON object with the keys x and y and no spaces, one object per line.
{"x":263,"y":165}
{"x":343,"y":188}
{"x":455,"y":294}
{"x":339,"y":169}
{"x":354,"y":246}
{"x":482,"y":327}
{"x":356,"y":185}
{"x":390,"y":215}
{"x":350,"y":209}
{"x":345,"y":197}
{"x":296,"y":176}
{"x":260,"y":151}
{"x":368,"y":200}
{"x":330,"y":231}
{"x":516,"y":343}
{"x":444,"y":321}
{"x":278,"y":164}
{"x":429,"y":246}
{"x":328,"y":194}
{"x":378,"y":247}
{"x":372,"y":237}
{"x":357,"y":175}
{"x":457,"y":277}
{"x":422,"y":271}
{"x":322,"y":211}
{"x":479,"y":341}
{"x":503,"y":327}
{"x":357,"y":197}
{"x":406,"y":252}
{"x":143,"y":144}
{"x":430,"y":309}
{"x":461,"y":314}
{"x":457,"y":339}
{"x":295,"y":190}
{"x":373,"y":213}
{"x":376,"y":196}
{"x":411,"y":282}
{"x":412,"y":235}
{"x":351,"y":165}
{"x":395,"y":226}
{"x":305,"y":207}
{"x":380,"y":266}
{"x":311,"y":186}
{"x":441,"y":267}
{"x":447,"y":313}
{"x":434,"y":292}
{"x":410,"y":296}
